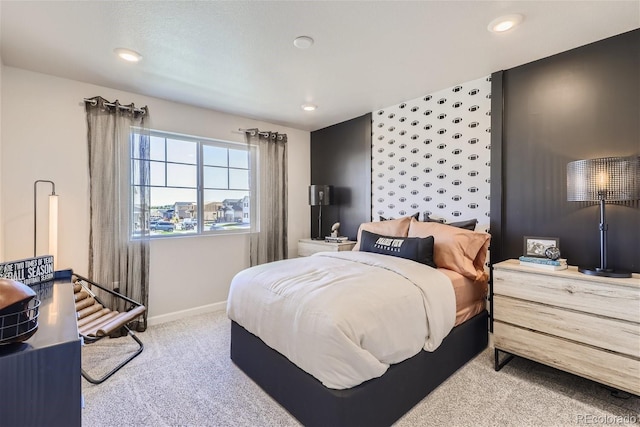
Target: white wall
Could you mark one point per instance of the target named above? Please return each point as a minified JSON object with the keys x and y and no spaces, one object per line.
{"x":44,"y":137}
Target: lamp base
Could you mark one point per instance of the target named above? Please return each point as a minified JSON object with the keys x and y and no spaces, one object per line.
{"x":604,"y":272}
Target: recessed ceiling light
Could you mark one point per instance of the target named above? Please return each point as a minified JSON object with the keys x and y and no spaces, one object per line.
{"x":309,"y":107}
{"x":505,"y":23}
{"x":128,"y":54}
{"x":303,"y":42}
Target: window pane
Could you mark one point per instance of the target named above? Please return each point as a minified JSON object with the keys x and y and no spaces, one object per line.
{"x":181,"y":151}
{"x":135,"y":171}
{"x":226,"y":210}
{"x":239,"y":179}
{"x":140,"y":192}
{"x":215,"y":177}
{"x":157,"y":174}
{"x":181,"y":175}
{"x":186,"y":217}
{"x":173,"y":211}
{"x":136,"y":138}
{"x":135,"y":145}
{"x":175,"y":166}
{"x":136,"y":166}
{"x":166,"y":198}
{"x":214,"y":156}
{"x":157,"y":148}
{"x":239,"y":159}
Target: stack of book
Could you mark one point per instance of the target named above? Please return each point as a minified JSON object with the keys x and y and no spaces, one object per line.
{"x":338,"y":239}
{"x":545,"y":263}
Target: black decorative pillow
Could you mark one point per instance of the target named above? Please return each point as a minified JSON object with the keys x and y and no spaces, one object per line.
{"x":469,"y":224}
{"x":419,"y":249}
{"x":415,"y":215}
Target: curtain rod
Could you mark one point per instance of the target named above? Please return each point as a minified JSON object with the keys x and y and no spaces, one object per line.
{"x":273,"y":134}
{"x":111,"y":104}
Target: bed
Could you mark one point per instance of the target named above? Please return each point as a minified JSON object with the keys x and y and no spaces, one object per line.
{"x":358,"y":338}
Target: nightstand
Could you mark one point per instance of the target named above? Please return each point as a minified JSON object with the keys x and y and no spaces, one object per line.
{"x":308,"y":247}
{"x":586,"y":325}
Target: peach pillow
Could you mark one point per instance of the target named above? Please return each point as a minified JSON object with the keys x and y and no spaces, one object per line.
{"x":392,"y":227}
{"x":456,"y":249}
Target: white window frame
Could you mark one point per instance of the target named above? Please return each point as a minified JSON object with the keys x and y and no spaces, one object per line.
{"x":200,"y":229}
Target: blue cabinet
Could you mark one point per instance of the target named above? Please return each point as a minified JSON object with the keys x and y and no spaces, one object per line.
{"x":40,"y":378}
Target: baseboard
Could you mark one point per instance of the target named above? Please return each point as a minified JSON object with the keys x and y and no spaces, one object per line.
{"x":209,"y":308}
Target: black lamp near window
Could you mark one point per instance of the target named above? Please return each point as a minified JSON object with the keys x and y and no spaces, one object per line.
{"x":608,"y":179}
{"x":320,"y":195}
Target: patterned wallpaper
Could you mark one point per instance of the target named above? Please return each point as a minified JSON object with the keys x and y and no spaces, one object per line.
{"x":432,"y":154}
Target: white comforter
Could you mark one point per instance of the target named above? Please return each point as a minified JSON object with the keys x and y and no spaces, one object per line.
{"x":344,"y":317}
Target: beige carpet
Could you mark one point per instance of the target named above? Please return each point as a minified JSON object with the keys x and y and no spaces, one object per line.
{"x":185,"y":377}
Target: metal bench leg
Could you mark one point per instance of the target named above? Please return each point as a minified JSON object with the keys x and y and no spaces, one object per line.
{"x":117,"y":368}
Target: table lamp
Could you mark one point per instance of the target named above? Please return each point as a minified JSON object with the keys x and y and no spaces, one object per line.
{"x":608,"y":179}
{"x":320,"y":195}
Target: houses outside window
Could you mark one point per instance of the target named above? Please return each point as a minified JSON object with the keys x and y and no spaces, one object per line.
{"x":197,"y":185}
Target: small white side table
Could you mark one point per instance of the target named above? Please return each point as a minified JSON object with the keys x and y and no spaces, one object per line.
{"x":308,"y":247}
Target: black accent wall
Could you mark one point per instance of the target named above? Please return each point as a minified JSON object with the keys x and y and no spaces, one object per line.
{"x":341,"y":156}
{"x":579,"y":104}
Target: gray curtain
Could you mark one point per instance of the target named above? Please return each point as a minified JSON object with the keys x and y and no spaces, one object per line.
{"x":119,"y":232}
{"x":268,"y":240}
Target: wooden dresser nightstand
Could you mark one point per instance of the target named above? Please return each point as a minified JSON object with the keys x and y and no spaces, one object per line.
{"x":586,"y":325}
{"x":308,"y":247}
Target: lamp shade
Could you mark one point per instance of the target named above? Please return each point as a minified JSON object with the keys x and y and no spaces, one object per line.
{"x":607,"y":178}
{"x":320,"y":195}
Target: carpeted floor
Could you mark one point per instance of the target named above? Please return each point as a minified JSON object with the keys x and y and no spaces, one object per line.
{"x":185,"y":377}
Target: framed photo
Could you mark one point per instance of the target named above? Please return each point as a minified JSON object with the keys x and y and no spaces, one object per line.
{"x":535,"y":246}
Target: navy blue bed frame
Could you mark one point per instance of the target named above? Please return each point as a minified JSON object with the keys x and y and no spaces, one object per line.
{"x":377,"y":402}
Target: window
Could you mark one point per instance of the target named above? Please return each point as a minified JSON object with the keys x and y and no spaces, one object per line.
{"x":197,"y":186}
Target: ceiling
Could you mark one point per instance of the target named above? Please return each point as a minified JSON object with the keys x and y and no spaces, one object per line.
{"x":238,"y":57}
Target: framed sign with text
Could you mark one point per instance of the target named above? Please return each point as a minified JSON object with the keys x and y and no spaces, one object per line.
{"x":29,"y":271}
